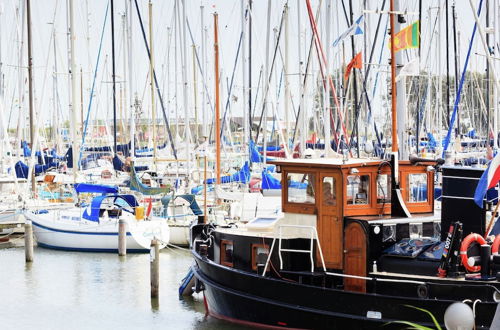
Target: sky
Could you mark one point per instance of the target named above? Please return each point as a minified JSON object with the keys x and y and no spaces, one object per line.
{"x":52,"y":86}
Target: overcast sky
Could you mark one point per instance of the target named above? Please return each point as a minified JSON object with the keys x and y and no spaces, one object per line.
{"x":50,"y":15}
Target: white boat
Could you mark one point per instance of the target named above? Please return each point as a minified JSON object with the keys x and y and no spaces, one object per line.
{"x":94,"y":227}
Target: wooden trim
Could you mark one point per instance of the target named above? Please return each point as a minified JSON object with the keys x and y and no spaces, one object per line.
{"x":223,"y":261}
{"x":291,"y":207}
{"x":254,"y":254}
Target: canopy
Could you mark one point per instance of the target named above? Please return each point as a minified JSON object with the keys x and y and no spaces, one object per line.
{"x":242,"y":176}
{"x":95,"y":206}
{"x":95,"y":188}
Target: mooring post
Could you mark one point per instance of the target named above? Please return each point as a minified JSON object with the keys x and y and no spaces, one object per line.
{"x":28,"y":241}
{"x":122,"y":237}
{"x":155,"y":267}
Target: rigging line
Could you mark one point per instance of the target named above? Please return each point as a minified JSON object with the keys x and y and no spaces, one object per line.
{"x":93,"y":85}
{"x":172,"y":145}
{"x":200,"y":68}
{"x":460,"y":86}
{"x":367,"y":74}
{"x":230,"y":89}
{"x":264,"y":101}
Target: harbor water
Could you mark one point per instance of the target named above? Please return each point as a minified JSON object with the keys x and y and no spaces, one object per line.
{"x":74,"y":290}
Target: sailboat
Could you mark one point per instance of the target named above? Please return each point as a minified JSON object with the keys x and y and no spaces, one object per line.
{"x":359,"y":247}
{"x":94,"y":226}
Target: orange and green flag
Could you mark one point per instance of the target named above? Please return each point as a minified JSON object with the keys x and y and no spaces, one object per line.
{"x":407,"y":38}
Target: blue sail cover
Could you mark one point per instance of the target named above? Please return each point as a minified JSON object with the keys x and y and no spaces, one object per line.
{"x":95,"y":188}
{"x":199,"y":189}
{"x":242,"y":176}
{"x":193,"y":204}
{"x":22,"y":169}
{"x":269,"y":182}
{"x":95,"y":206}
{"x":255,"y":157}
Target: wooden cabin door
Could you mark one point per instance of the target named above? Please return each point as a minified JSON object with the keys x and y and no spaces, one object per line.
{"x":330,"y":220}
{"x":355,"y":257}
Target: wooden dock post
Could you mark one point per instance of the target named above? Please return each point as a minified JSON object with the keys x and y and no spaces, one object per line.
{"x":28,"y":241}
{"x":122,"y":237}
{"x":155,"y":267}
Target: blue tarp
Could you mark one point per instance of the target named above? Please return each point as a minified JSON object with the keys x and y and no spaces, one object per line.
{"x":95,"y":206}
{"x":242,"y":176}
{"x":199,"y":189}
{"x":22,"y":169}
{"x":269,"y":182}
{"x":95,"y":188}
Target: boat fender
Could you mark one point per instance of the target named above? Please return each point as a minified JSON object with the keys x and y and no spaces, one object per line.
{"x":473,"y":237}
{"x":496,"y":245}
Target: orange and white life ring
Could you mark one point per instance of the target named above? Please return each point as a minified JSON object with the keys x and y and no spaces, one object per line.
{"x":495,"y":246}
{"x":465,"y":246}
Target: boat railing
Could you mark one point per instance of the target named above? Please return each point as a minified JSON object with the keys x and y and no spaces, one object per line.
{"x":313,"y":235}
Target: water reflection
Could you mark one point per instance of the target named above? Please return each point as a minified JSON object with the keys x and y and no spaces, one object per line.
{"x":71,"y":290}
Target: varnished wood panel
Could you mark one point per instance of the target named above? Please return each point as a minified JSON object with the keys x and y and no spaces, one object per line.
{"x":355,"y":257}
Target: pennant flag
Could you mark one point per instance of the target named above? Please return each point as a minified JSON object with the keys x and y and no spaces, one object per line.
{"x":488,"y":180}
{"x":406,"y":38}
{"x":356,"y":62}
{"x":352,"y":30}
{"x":409,"y":69}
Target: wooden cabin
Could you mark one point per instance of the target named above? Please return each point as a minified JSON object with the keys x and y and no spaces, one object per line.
{"x":340,"y":198}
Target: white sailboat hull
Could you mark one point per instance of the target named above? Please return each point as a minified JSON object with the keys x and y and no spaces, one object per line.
{"x":77,"y":234}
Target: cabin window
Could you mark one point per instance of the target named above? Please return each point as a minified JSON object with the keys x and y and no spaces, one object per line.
{"x":383,"y":188}
{"x":226,"y":253}
{"x":417,"y":187}
{"x":329,"y":188}
{"x":260,"y":252}
{"x":358,"y":189}
{"x":301,"y":188}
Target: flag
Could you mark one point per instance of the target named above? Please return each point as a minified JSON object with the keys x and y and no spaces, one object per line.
{"x":407,"y":38}
{"x":356,"y":62}
{"x":353,"y":29}
{"x":409,"y":69}
{"x":488,"y":180}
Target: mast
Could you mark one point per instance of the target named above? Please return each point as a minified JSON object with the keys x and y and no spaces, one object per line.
{"x":266,"y":74}
{"x":243,"y":77}
{"x":30,"y":86}
{"x":398,"y":207}
{"x":488,"y":76}
{"x":250,"y":70}
{"x":151,"y":77}
{"x":113,"y":72}
{"x":287,"y":73}
{"x":447,"y":67}
{"x":187,"y":130}
{"x":217,"y":100}
{"x":354,"y":83}
{"x":130,"y":79}
{"x":204,"y":66}
{"x":456,"y":61}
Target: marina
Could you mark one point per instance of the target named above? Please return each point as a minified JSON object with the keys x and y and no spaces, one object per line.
{"x":210,"y":164}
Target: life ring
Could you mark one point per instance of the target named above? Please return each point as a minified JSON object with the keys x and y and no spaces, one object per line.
{"x":496,"y":245}
{"x":463,"y":250}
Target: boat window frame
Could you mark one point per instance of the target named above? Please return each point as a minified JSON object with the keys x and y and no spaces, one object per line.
{"x":223,"y":261}
{"x":304,"y":208}
{"x":253,"y":248}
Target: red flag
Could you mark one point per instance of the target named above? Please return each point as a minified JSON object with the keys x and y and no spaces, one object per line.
{"x":356,"y":62}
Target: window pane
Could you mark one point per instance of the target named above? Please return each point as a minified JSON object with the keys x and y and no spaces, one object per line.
{"x":228,"y":252}
{"x":329,"y":186}
{"x":383,"y":188}
{"x":417,"y":188}
{"x":358,"y":189}
{"x":301,"y":188}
